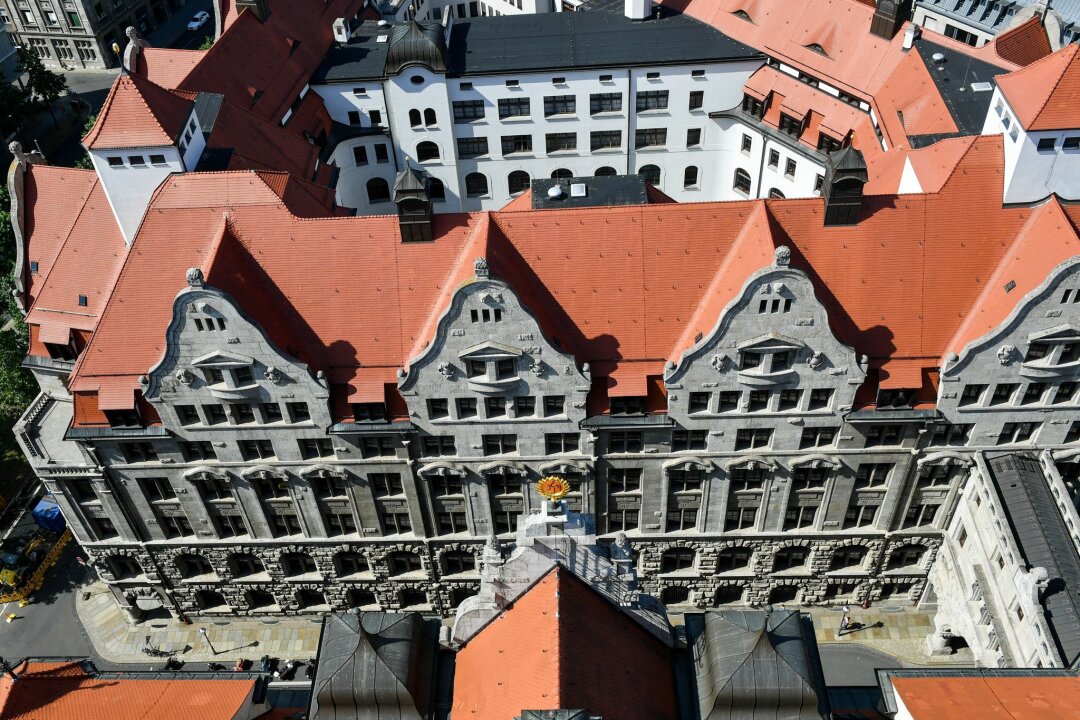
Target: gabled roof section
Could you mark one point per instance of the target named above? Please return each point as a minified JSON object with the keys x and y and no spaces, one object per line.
{"x":1046,"y":240}
{"x":753,"y":664}
{"x":1025,"y":43}
{"x":562,"y":645}
{"x":167,"y":67}
{"x":1023,"y":697}
{"x":139,"y":113}
{"x":1045,"y":95}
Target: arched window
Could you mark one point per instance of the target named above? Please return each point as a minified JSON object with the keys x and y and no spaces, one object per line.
{"x":742,"y":181}
{"x":427,"y":150}
{"x":605,"y":171}
{"x":245,"y":564}
{"x":690,"y":177}
{"x":906,"y":556}
{"x":429,"y":117}
{"x":458,"y":561}
{"x":190,"y":565}
{"x":848,"y":557}
{"x":400,"y":563}
{"x":293,"y":564}
{"x":732,"y":558}
{"x":677,"y":559}
{"x":561,"y":174}
{"x":791,"y":557}
{"x":775,"y":194}
{"x":378,"y":191}
{"x":358,"y":597}
{"x":436,"y":190}
{"x":651,"y":173}
{"x":476,"y":185}
{"x":518,"y":181}
{"x":350,"y":563}
{"x":414,"y":118}
{"x":123,"y":567}
{"x":210,"y":600}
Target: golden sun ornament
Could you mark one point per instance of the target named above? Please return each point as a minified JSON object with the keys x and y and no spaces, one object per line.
{"x":553,"y":487}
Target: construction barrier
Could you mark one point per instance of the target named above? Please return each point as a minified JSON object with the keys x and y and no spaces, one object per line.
{"x":34,"y":583}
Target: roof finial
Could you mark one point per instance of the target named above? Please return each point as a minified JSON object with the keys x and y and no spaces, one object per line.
{"x":195,"y":277}
{"x":480,"y":266}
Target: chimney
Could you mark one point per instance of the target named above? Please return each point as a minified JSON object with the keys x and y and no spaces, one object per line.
{"x":260,"y":8}
{"x":888,"y":17}
{"x":637,"y":9}
{"x":845,"y":176}
{"x":341,"y":31}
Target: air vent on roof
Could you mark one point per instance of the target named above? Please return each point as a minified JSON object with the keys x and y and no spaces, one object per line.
{"x":577,"y":190}
{"x":382,"y":38}
{"x":555,"y":192}
{"x":384,"y":23}
{"x":981,"y":86}
{"x":939,"y":58}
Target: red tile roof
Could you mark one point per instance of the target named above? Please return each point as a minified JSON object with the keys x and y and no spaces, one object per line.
{"x":1023,"y":44}
{"x":562,"y":645}
{"x":138,"y":113}
{"x":63,"y":691}
{"x":167,"y":67}
{"x":1045,"y":95}
{"x":989,"y":698}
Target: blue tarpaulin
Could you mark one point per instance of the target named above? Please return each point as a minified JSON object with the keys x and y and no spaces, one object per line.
{"x":47,"y":515}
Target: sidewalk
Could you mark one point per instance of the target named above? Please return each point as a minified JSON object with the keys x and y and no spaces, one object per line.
{"x":902,"y":633}
{"x":116,"y":641}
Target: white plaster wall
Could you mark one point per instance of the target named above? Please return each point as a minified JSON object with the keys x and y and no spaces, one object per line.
{"x":340,"y":99}
{"x":129,"y":188}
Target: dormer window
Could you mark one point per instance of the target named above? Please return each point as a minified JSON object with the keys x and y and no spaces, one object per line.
{"x":628,"y":406}
{"x":62,"y":352}
{"x":362,"y":412}
{"x":213,"y":376}
{"x":242,"y":376}
{"x":123,"y":418}
{"x":486,"y":315}
{"x":209,"y":324}
{"x":901,"y":398}
{"x":505,"y":369}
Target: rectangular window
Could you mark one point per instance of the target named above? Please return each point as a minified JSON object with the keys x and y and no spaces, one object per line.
{"x":748,"y":439}
{"x":1064,"y":393}
{"x":354,"y":117}
{"x":624,"y":480}
{"x":472,"y":147}
{"x":187,"y":414}
{"x":157,"y":159}
{"x":789,"y":168}
{"x":789,"y":400}
{"x":375,"y":116}
{"x":197,"y":450}
{"x":605,"y":140}
{"x":1017,"y":433}
{"x":256,"y":449}
{"x":758,"y":401}
{"x":381,"y":155}
{"x":377,"y":446}
{"x":559,"y":105}
{"x":1033,"y":393}
{"x":817,"y":437}
{"x":699,"y":402}
{"x":554,"y":405}
{"x":697,"y":99}
{"x":972,"y":394}
{"x":524,"y":406}
{"x":137,"y":452}
{"x":242,"y":413}
{"x":681,"y":519}
{"x":951,"y":434}
{"x":362,"y":412}
{"x":466,"y":407}
{"x":174,"y":526}
{"x":625,"y":441}
{"x":693,"y":137}
{"x":729,"y":401}
{"x":360,"y":155}
{"x":499,"y":444}
{"x":123,"y":418}
{"x":560,"y":443}
{"x":790,"y":126}
{"x":311,"y":448}
{"x":627,"y":406}
{"x":652,"y":100}
{"x":513,"y":107}
{"x":438,"y":408}
{"x":557,"y":142}
{"x":495,"y":407}
{"x":271,"y":412}
{"x":1003,"y":393}
{"x":688,"y":440}
{"x":339,"y":522}
{"x":877,"y":435}
{"x":157,"y":489}
{"x":505,"y":369}
{"x":605,"y":102}
{"x":747,"y":143}
{"x":774,"y":158}
{"x":436,"y":445}
{"x":740,"y":518}
{"x":753,"y":106}
{"x":1046,"y":144}
{"x":385,"y":484}
{"x":516,"y":144}
{"x":466,"y":111}
{"x":283,"y":524}
{"x":650,"y":138}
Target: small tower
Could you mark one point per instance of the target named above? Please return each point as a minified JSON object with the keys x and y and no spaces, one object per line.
{"x":888,"y":17}
{"x":413,"y":204}
{"x":845,"y":176}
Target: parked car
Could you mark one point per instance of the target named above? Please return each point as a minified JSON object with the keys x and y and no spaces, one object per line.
{"x":199,"y":20}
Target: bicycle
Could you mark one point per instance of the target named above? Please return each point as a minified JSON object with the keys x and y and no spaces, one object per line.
{"x":155,"y":652}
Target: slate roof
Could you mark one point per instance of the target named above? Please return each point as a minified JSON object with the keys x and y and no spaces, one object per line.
{"x":956,"y":79}
{"x":1025,"y":43}
{"x":753,"y":665}
{"x":1044,"y":541}
{"x":374,"y":666}
{"x":606,"y":191}
{"x":64,"y":690}
{"x":599,"y":36}
{"x":1045,"y":95}
{"x":561,"y":645}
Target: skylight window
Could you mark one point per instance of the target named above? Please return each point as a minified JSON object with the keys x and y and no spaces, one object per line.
{"x":743,"y":15}
{"x":817,"y":48}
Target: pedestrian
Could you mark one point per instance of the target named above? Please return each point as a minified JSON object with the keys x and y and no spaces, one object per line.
{"x":845,"y":621}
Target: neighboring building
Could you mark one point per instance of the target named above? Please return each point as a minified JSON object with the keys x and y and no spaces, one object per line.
{"x":52,"y":689}
{"x":961,"y":694}
{"x":976,"y":23}
{"x":8,"y":58}
{"x":257,"y":403}
{"x":79,"y":34}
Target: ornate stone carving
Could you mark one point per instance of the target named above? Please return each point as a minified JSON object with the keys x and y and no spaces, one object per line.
{"x":25,"y":158}
{"x":1006,"y":354}
{"x":782,"y":256}
{"x":272,"y":374}
{"x":184,"y":376}
{"x":537,"y":368}
{"x":446,"y":370}
{"x":480,"y":266}
{"x":720,"y":362}
{"x":816,"y":360}
{"x":195,"y":277}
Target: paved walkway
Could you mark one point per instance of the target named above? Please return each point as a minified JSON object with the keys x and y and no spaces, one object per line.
{"x":900,"y":633}
{"x":117,"y":641}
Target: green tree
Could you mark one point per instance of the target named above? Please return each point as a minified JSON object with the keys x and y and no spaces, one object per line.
{"x":17,"y":386}
{"x":44,"y":85}
{"x":84,"y":162}
{"x":15,"y":108}
{"x":207,"y":43}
